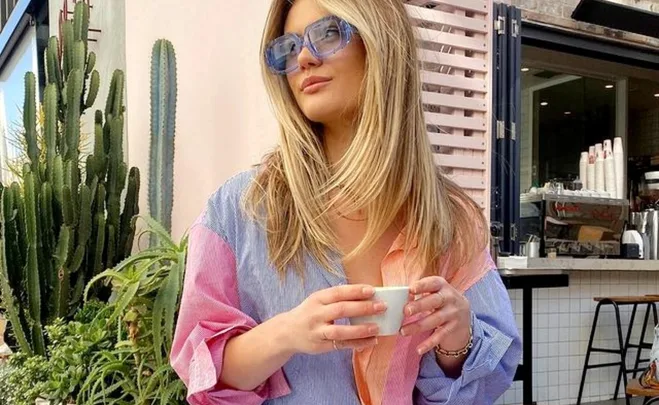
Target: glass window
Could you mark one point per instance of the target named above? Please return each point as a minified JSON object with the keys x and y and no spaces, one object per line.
{"x":12,"y":95}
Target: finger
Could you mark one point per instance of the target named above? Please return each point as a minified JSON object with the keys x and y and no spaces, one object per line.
{"x":429,"y":302}
{"x":355,"y":344}
{"x":428,"y":285}
{"x":349,"y":309}
{"x":435,"y":339}
{"x":351,"y":292}
{"x":432,"y":321}
{"x":350,"y":332}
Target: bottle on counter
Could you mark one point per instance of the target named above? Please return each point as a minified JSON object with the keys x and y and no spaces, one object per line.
{"x":632,"y":243}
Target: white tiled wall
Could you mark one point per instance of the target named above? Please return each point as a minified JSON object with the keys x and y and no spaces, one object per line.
{"x":562,"y":320}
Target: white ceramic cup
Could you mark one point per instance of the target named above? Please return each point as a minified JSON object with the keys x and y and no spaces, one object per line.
{"x":391,"y":320}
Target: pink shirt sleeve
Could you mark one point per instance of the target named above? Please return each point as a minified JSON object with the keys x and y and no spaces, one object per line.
{"x":209,"y":316}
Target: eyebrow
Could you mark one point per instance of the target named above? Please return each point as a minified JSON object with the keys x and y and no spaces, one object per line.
{"x":300,"y":32}
{"x":305,"y":27}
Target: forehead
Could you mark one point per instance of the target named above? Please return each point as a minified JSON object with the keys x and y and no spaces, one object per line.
{"x":301,"y":14}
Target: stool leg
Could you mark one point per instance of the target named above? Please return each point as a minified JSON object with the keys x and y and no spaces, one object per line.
{"x":641,"y":340}
{"x":590,"y":346}
{"x":654,"y":312}
{"x":623,"y":352}
{"x":622,"y":375}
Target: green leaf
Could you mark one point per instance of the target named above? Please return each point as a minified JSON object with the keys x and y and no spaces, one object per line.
{"x":105,"y":274}
{"x":163,"y":236}
{"x":124,"y":299}
{"x":162,"y":297}
{"x":172,"y":291}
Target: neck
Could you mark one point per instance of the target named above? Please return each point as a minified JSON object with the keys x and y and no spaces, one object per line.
{"x":336,"y":140}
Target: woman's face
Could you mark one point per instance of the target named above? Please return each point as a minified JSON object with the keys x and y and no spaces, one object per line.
{"x":335,"y":96}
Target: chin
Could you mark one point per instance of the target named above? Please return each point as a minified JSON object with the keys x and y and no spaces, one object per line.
{"x":323,"y":112}
{"x":319,"y":113}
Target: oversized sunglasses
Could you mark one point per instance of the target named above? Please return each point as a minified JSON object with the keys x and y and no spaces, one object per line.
{"x":323,"y":38}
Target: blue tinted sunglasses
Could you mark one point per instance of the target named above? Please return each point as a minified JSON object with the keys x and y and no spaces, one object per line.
{"x":323,"y":38}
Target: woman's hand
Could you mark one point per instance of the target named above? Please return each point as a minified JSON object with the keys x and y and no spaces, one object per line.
{"x":445,"y":311}
{"x":311,"y":324}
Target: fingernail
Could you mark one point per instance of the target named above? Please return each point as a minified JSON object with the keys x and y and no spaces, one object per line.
{"x":359,"y":350}
{"x":421,"y":350}
{"x":376,"y":341}
{"x":368,"y":291}
{"x":379,"y":306}
{"x":373,"y":329}
{"x":403,"y":332}
{"x":410,"y":310}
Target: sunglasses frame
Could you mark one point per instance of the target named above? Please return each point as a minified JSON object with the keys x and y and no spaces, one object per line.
{"x":346,"y":30}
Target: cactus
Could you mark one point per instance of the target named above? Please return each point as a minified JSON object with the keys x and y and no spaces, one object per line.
{"x":30,"y":121}
{"x":9,"y":302}
{"x":163,"y":131}
{"x":65,"y":224}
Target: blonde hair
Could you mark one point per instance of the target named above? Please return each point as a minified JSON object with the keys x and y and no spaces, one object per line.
{"x":388,"y":168}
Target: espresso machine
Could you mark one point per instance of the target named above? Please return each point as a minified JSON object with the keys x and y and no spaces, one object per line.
{"x":569,"y":225}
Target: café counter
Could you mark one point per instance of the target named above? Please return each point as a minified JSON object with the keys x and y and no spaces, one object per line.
{"x":569,"y":263}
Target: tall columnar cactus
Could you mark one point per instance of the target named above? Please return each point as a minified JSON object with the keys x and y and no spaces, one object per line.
{"x":65,"y":224}
{"x":163,"y":131}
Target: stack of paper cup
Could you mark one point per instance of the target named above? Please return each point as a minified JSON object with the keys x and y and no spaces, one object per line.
{"x":609,"y":170}
{"x":600,"y":185}
{"x":590,"y":173}
{"x":619,"y":161}
{"x":583,"y":170}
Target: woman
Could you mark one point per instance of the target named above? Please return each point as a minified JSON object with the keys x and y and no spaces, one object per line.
{"x":351,"y":199}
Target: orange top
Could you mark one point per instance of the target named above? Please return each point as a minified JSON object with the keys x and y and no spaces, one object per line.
{"x":372,"y":366}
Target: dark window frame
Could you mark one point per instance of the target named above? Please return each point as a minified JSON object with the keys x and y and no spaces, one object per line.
{"x":26,"y":13}
{"x":543,"y":36}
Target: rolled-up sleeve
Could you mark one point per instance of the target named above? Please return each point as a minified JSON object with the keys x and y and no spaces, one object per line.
{"x":208,"y":318}
{"x":491,"y":364}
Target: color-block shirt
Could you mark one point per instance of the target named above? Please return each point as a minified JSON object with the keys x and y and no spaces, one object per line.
{"x":230,"y":287}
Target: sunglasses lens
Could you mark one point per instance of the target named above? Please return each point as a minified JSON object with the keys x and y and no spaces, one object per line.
{"x":282,"y":53}
{"x":326,"y":37}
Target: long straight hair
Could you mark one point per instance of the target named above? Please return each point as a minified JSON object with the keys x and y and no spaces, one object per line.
{"x":387,"y":170}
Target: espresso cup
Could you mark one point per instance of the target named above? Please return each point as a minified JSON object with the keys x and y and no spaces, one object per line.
{"x":391,"y":320}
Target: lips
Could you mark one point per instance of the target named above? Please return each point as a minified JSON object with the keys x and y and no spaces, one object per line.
{"x":313,"y":83}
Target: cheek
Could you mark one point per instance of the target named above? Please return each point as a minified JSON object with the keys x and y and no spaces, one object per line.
{"x":291,"y":83}
{"x":354,"y":68}
{"x":291,"y":80}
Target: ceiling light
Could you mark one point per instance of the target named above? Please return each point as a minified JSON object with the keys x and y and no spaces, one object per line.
{"x":525,"y":69}
{"x":568,"y":112}
{"x":544,"y":104}
{"x":609,"y":86}
{"x":657,"y":95}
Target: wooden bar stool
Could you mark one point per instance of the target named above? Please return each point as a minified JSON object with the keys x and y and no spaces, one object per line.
{"x":650,"y":302}
{"x":650,"y":396}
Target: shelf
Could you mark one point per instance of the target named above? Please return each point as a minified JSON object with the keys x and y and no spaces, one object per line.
{"x":568,"y":263}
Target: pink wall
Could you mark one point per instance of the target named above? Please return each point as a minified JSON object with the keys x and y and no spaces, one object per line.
{"x":224,"y":121}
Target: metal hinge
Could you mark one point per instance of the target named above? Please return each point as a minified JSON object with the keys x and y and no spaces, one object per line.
{"x":500,"y":25}
{"x":515,"y":29}
{"x":501,"y":130}
{"x":513,"y":231}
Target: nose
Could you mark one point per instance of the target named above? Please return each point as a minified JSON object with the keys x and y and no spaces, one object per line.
{"x":306,"y":60}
